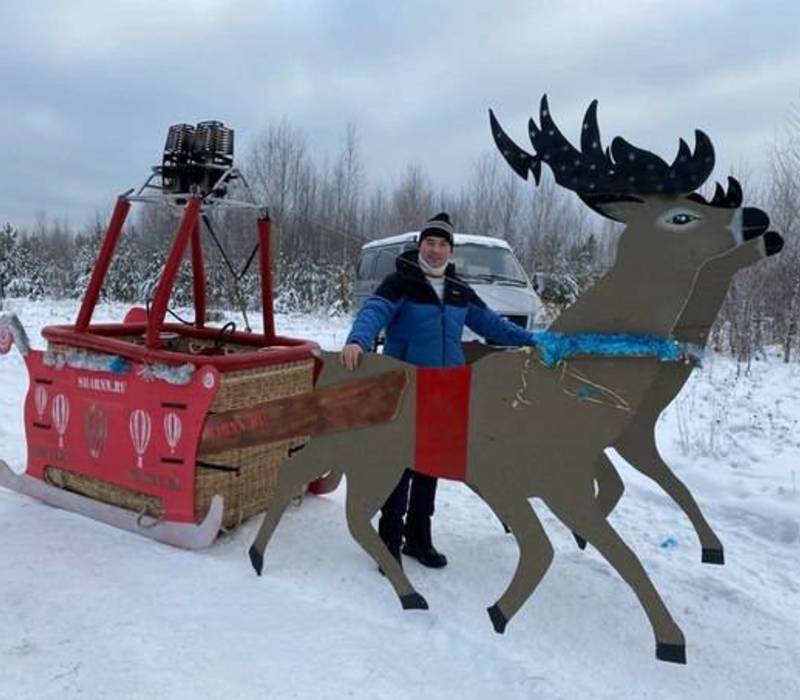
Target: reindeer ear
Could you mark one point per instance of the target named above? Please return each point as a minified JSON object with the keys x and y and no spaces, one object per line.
{"x":615,"y":207}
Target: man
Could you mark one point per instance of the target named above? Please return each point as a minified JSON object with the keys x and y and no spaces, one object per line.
{"x":424,"y":307}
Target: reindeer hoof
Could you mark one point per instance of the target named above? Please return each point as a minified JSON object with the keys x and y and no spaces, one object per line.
{"x":773,"y":242}
{"x":413,"y":601}
{"x":581,"y":542}
{"x":256,"y":559}
{"x":674,"y":653}
{"x":713,"y":556}
{"x":499,"y":620}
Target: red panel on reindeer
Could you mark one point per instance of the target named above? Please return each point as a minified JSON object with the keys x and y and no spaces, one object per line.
{"x":442,"y":420}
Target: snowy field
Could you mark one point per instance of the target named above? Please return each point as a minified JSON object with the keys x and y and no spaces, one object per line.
{"x":93,"y":612}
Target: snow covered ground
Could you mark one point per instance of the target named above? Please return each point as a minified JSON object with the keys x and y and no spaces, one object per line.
{"x":87,"y":610}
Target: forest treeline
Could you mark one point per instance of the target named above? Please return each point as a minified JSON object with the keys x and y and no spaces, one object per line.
{"x":323,"y":211}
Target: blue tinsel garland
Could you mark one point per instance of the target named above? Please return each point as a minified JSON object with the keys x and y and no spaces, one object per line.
{"x":554,"y":347}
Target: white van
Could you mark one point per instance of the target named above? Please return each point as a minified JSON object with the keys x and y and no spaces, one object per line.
{"x":487,"y":264}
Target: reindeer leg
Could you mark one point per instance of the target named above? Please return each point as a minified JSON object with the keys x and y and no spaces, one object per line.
{"x":609,"y":489}
{"x":609,"y":485}
{"x":506,"y":528}
{"x":309,"y":463}
{"x":644,"y":456}
{"x":535,"y":554}
{"x":579,"y":512}
{"x":362,"y":503}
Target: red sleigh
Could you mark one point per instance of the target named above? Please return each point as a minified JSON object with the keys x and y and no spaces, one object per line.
{"x":114,"y":411}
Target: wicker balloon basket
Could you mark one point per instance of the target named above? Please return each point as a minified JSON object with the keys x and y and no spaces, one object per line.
{"x":246,"y":477}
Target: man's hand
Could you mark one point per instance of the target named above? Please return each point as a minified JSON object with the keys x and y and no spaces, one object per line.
{"x":351,"y":355}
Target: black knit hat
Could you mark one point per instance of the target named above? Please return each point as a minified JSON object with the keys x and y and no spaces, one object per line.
{"x":438,"y":225}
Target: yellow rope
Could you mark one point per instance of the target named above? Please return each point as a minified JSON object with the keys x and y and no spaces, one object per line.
{"x":519,"y":397}
{"x":616,"y":401}
{"x":611,"y":397}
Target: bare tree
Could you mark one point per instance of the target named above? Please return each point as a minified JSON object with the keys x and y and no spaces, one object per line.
{"x":279,"y":170}
{"x":412,"y":200}
{"x":785,"y":212}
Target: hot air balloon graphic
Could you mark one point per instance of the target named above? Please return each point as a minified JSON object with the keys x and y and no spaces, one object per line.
{"x":5,"y":339}
{"x":172,"y":430}
{"x":95,"y":426}
{"x":139,"y":428}
{"x":40,"y":400}
{"x":60,"y":413}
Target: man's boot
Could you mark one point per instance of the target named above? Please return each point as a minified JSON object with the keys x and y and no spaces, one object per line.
{"x":418,"y":543}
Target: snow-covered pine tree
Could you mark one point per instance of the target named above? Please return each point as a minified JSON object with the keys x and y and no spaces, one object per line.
{"x":8,"y":259}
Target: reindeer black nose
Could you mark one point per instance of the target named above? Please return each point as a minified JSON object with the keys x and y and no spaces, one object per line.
{"x":754,"y":222}
{"x":773,"y":242}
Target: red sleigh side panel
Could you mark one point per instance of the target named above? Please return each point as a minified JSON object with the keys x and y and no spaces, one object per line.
{"x":126,"y":426}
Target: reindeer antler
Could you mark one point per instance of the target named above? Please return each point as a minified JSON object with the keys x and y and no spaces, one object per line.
{"x":726,"y":200}
{"x":520,"y":161}
{"x":619,"y":171}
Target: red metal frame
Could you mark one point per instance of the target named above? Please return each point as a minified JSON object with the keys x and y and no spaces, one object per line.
{"x":265,"y":263}
{"x":121,"y":209}
{"x":158,"y":310}
{"x":198,"y":278}
{"x":103,"y":337}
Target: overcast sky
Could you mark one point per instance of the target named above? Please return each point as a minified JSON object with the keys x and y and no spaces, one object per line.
{"x":89,"y":87}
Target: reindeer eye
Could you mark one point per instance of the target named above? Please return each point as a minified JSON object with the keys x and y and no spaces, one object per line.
{"x":682,"y":219}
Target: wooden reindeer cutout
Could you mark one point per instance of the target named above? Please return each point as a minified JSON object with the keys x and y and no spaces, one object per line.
{"x":531,"y":430}
{"x":637,"y":443}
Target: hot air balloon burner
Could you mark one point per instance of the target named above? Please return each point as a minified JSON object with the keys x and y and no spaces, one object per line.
{"x":197,"y":159}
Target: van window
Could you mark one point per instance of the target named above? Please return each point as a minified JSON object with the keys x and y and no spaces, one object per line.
{"x":489,"y":264}
{"x":365,"y":265}
{"x":385,"y":263}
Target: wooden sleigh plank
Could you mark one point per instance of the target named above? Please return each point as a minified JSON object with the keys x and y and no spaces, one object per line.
{"x":346,"y":406}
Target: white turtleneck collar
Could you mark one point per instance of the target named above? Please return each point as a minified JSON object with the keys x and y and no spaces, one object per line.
{"x":431,"y":271}
{"x":435,"y":276}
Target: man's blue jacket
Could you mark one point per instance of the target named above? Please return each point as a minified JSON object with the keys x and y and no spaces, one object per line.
{"x":422,"y":330}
